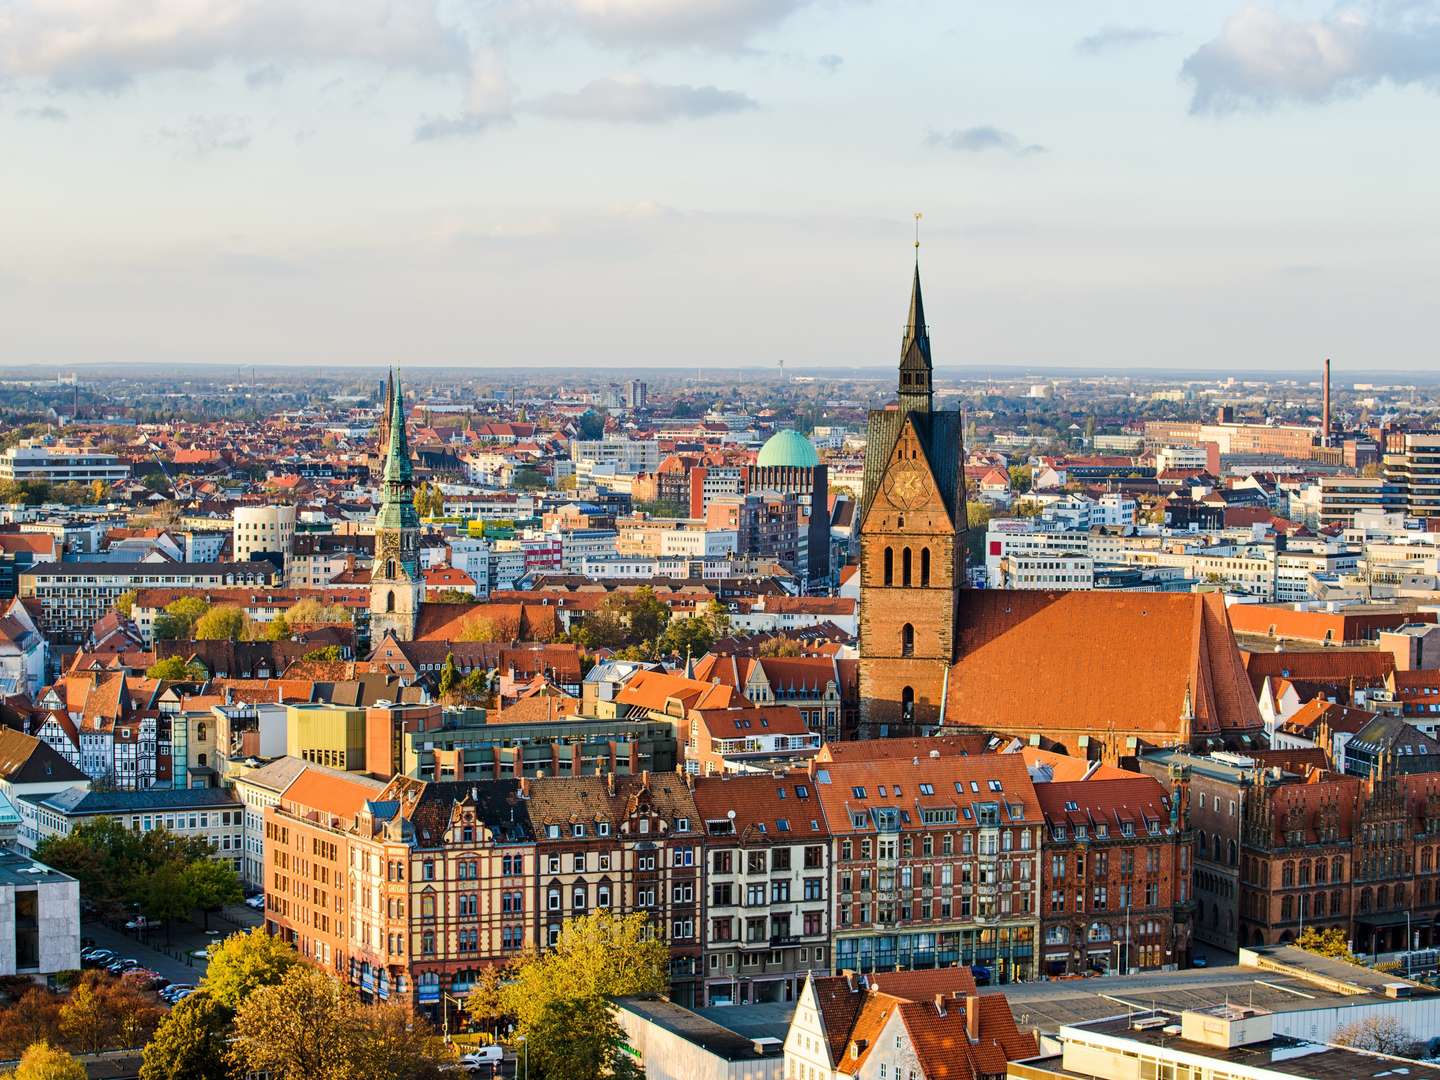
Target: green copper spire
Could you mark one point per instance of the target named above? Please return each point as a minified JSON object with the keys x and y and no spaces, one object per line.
{"x":397,"y":457}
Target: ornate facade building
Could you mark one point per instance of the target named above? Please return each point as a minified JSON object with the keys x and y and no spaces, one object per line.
{"x":396,"y":585}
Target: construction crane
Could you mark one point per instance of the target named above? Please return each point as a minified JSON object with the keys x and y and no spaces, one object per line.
{"x":155,"y":453}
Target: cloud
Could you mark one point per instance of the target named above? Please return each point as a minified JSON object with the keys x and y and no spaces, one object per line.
{"x":489,"y":102}
{"x":48,"y":113}
{"x":1112,"y":38}
{"x":830,"y":63}
{"x":629,"y":99}
{"x":1262,"y":59}
{"x":714,"y":24}
{"x":106,"y":44}
{"x":202,"y":136}
{"x":982,"y":139}
{"x":266,"y":75}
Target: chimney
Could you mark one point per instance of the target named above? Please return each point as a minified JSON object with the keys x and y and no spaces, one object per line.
{"x":972,"y":1017}
{"x":1325,"y":407}
{"x":610,"y":784}
{"x":940,"y":1004}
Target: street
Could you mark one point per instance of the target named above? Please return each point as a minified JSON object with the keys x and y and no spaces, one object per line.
{"x":173,"y":959}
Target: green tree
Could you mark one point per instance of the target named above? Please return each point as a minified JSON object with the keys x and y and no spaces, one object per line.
{"x":645,"y":614}
{"x":449,"y":675}
{"x":190,"y":1044}
{"x":277,"y":629}
{"x":579,"y":1039}
{"x":780,"y":646}
{"x":476,"y":688}
{"x":1020,"y":479}
{"x":478,"y":628}
{"x":177,"y":669}
{"x":165,"y":893}
{"x":244,"y":963}
{"x":301,"y":1028}
{"x":310,"y":612}
{"x":101,"y":854}
{"x":484,"y":1003}
{"x":212,"y":883}
{"x":977,"y":518}
{"x":45,"y":1062}
{"x":449,"y":596}
{"x":327,"y":654}
{"x":597,"y":956}
{"x":125,"y":602}
{"x":224,"y":623}
{"x":180,"y":617}
{"x":592,"y":425}
{"x":687,"y":637}
{"x":528,"y":479}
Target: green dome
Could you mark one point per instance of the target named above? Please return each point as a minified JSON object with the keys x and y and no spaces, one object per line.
{"x":788,"y":448}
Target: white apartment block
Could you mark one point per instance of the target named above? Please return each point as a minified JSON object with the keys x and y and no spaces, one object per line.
{"x":32,"y":460}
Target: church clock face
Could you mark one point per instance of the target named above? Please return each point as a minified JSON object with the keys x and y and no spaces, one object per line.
{"x":906,"y":486}
{"x":388,"y":548}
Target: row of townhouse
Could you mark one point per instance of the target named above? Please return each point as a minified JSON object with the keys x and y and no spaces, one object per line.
{"x":409,"y":888}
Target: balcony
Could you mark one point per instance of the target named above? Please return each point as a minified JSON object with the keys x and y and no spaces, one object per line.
{"x":781,"y":940}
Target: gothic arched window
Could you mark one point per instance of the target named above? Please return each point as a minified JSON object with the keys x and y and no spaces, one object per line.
{"x":907,"y":640}
{"x":907,"y":702}
{"x":889,"y":566}
{"x":905,"y":567}
{"x":390,"y":600}
{"x":925,"y":566}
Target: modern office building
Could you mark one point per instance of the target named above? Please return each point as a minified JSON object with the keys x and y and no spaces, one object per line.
{"x":32,"y":460}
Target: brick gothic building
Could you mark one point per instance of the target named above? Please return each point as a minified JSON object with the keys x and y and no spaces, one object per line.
{"x":1115,"y":877}
{"x":1048,"y":667}
{"x":912,"y":550}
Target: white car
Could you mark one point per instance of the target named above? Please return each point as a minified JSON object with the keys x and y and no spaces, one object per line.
{"x":256,"y":902}
{"x":479,"y":1058}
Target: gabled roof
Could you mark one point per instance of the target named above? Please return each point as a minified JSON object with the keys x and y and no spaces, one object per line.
{"x":24,"y":759}
{"x":1065,"y":663}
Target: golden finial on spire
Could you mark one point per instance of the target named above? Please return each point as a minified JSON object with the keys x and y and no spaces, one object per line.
{"x":918,"y":216}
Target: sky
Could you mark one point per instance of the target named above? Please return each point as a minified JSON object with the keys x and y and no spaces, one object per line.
{"x":719,"y":183}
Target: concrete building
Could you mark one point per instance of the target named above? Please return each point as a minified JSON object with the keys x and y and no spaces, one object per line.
{"x":671,"y":1042}
{"x":74,"y":595}
{"x":39,"y":918}
{"x":34,"y":460}
{"x":259,"y":789}
{"x":261,"y":531}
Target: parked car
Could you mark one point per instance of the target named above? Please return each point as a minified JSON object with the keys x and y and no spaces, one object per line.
{"x":181,"y":996}
{"x":484,"y":1057}
{"x":119,"y":967}
{"x":96,"y":957}
{"x":256,"y":902}
{"x":172,"y":992}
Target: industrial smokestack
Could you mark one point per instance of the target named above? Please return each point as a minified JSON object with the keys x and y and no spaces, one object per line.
{"x":1325,"y":408}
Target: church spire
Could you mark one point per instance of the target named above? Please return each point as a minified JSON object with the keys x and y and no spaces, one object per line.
{"x":915,"y":388}
{"x":397,"y":454}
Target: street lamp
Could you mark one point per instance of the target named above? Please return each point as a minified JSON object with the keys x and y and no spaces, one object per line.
{"x":525,"y":1049}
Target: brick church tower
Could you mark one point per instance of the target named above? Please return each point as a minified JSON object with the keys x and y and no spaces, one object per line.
{"x":912,"y":547}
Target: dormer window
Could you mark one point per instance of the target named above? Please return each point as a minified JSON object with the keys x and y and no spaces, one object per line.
{"x":577,"y":829}
{"x":682,"y":824}
{"x":603,"y":828}
{"x":552,"y":832}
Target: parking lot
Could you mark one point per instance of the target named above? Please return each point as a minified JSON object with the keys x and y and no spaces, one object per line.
{"x":174,"y":959}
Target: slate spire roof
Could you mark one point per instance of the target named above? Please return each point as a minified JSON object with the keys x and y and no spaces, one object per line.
{"x":915,"y":373}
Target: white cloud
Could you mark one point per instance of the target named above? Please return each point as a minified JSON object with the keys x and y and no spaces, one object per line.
{"x":983,"y":139}
{"x":1112,"y":38}
{"x":489,"y":102}
{"x":108,"y":43}
{"x":1262,"y":58}
{"x":202,"y":136}
{"x":715,"y":24}
{"x":629,"y":99}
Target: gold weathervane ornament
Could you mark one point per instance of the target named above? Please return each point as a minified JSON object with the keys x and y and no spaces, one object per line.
{"x":918,"y":216}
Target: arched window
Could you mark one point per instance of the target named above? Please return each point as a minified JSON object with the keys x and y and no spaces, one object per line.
{"x":1382,"y":898}
{"x":1287,"y":875}
{"x":889,"y":566}
{"x":1304,"y":871}
{"x":1337,"y":869}
{"x":200,"y":731}
{"x":905,"y":567}
{"x":925,"y":566}
{"x":1287,"y":909}
{"x":1204,"y":843}
{"x":1364,"y":900}
{"x":1230,"y":851}
{"x":389,"y":569}
{"x":390,"y":600}
{"x":1319,"y":907}
{"x":907,"y":640}
{"x":201,"y":761}
{"x":907,"y":702}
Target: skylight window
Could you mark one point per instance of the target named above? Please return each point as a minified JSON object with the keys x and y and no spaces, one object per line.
{"x":858,"y":792}
{"x":927,"y":789}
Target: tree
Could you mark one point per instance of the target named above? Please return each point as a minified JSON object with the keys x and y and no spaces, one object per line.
{"x":484,"y":1002}
{"x":597,"y":955}
{"x":34,"y":1018}
{"x":476,"y":688}
{"x":165,"y":893}
{"x":244,"y":963}
{"x":528,"y":479}
{"x":179,"y":618}
{"x":190,"y":1044}
{"x":125,"y":602}
{"x":449,"y":596}
{"x":1331,"y":942}
{"x":392,"y":1041}
{"x":101,"y":854}
{"x":692,"y":636}
{"x":177,"y":669}
{"x":780,"y":646}
{"x":86,"y":1021}
{"x":277,"y":629}
{"x":301,"y":1028}
{"x":579,"y":1039}
{"x":225,"y":623}
{"x":448,"y":675}
{"x":310,"y":612}
{"x":1380,"y":1035}
{"x":45,"y":1062}
{"x":478,"y":628}
{"x":327,"y":654}
{"x":645,"y":613}
{"x":212,"y":883}
{"x":1020,"y":479}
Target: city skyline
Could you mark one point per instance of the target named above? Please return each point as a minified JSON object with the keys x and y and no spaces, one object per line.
{"x":556,"y":183}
